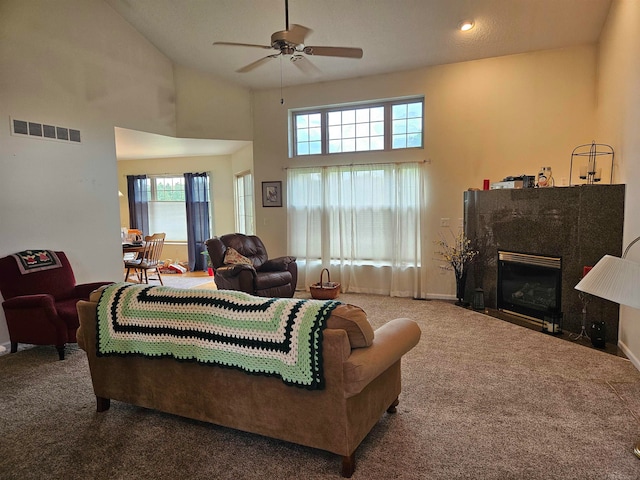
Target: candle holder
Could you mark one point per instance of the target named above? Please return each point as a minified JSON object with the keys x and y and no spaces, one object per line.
{"x":592,"y":170}
{"x":584,"y":298}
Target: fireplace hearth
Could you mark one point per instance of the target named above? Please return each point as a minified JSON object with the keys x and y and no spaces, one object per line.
{"x":529,"y":285}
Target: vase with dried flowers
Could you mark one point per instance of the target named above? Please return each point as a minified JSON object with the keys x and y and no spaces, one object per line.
{"x":457,"y":252}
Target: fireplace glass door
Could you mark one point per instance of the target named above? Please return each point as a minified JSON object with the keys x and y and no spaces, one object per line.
{"x":529,"y":285}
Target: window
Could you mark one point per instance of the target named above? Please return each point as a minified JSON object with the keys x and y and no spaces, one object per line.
{"x":358,"y":218}
{"x":359,"y":128}
{"x":406,"y":125}
{"x":244,"y":203}
{"x":167,"y":211}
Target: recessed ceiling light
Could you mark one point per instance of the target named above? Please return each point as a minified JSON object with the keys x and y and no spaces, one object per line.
{"x":466,"y":25}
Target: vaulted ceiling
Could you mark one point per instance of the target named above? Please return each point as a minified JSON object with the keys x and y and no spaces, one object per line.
{"x":395,"y":35}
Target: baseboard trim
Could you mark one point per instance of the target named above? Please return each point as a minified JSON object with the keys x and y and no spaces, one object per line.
{"x":632,"y":358}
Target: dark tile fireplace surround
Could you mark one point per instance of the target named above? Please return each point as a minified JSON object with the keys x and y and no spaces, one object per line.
{"x":578,"y":224}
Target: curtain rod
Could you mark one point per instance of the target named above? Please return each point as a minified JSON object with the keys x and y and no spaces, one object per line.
{"x":358,"y":164}
{"x":172,"y":174}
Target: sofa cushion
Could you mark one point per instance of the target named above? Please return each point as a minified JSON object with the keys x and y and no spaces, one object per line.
{"x":233,"y":257}
{"x":354,"y":321}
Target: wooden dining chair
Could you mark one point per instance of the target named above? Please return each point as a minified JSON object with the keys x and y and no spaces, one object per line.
{"x":148,"y":260}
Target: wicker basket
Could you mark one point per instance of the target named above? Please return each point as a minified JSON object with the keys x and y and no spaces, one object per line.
{"x":325,"y":290}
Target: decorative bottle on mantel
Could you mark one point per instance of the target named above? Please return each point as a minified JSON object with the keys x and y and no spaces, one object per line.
{"x":545,"y":179}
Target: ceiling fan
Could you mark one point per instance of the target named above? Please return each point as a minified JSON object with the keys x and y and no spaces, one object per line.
{"x":291,"y":42}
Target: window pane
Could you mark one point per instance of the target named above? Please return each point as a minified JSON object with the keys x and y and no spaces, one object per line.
{"x":414,"y":140}
{"x":414,"y":125}
{"x":314,"y":120}
{"x":348,"y":116}
{"x":349,"y":145}
{"x":399,"y":126}
{"x":377,"y":128}
{"x":303,"y":135}
{"x":315,"y":148}
{"x":335,"y":118}
{"x":335,"y":132}
{"x":414,"y":110}
{"x":362,"y":144}
{"x":377,"y":143}
{"x":244,"y":204}
{"x":315,"y":134}
{"x":303,"y":149}
{"x":377,"y":114}
{"x":348,"y":131}
{"x":302,"y":121}
{"x":362,"y":115}
{"x":335,"y":146}
{"x":362,"y":130}
{"x":399,"y":141}
{"x":399,"y":111}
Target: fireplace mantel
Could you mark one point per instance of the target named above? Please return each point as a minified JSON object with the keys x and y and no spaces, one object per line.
{"x":579,"y":224}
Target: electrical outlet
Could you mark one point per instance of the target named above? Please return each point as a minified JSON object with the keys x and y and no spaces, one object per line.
{"x":460,"y":222}
{"x":445,"y":222}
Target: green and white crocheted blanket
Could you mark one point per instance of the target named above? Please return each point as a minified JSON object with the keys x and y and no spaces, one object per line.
{"x":278,"y":337}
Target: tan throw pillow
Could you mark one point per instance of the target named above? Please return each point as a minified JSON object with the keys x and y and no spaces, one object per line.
{"x":354,"y":321}
{"x":234,"y":258}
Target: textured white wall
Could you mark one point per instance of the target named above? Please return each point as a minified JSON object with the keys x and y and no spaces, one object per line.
{"x":618,"y":119}
{"x":208,"y":107}
{"x":72,"y":63}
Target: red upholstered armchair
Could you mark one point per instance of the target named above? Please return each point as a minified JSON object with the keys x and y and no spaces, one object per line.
{"x":259,"y":275}
{"x":40,"y":295}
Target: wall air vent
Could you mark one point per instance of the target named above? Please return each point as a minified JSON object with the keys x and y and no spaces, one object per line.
{"x":43,"y":131}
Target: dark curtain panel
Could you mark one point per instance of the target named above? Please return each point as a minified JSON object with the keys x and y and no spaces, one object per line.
{"x":138,"y":192}
{"x":197,"y":200}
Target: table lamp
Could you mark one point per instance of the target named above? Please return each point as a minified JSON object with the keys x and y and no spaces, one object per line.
{"x":615,"y":279}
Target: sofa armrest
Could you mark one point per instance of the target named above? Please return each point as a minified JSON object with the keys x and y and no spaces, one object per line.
{"x":280,"y":264}
{"x":83,"y":290}
{"x":229,"y":270}
{"x":390,"y":343}
{"x":40,"y":300}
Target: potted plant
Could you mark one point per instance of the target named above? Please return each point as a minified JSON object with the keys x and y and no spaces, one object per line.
{"x":457,"y":252}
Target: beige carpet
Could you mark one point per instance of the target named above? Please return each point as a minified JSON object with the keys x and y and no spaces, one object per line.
{"x":482,"y":399}
{"x":207,"y":286}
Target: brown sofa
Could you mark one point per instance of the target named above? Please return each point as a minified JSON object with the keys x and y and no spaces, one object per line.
{"x":361,"y":371}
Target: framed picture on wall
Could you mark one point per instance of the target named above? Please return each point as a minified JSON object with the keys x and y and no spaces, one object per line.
{"x":271,"y":194}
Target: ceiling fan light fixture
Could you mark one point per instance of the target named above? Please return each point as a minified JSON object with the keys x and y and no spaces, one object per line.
{"x":466,"y":25}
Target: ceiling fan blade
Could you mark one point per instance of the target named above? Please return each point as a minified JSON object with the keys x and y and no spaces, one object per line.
{"x":306,"y":66}
{"x":234,"y":44}
{"x":256,"y":64}
{"x":346,"y":52}
{"x":297,"y":33}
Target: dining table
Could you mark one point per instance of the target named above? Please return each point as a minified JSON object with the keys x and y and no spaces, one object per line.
{"x":133,"y":247}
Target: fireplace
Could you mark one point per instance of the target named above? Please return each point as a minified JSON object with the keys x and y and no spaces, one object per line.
{"x":578,"y":224}
{"x":529,"y":285}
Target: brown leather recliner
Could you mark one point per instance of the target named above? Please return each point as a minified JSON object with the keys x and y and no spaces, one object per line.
{"x":276,"y":277}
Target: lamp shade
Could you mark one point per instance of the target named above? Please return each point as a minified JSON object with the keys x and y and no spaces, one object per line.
{"x":613,"y":278}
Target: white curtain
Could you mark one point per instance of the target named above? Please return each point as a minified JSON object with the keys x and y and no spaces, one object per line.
{"x":362,"y":222}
